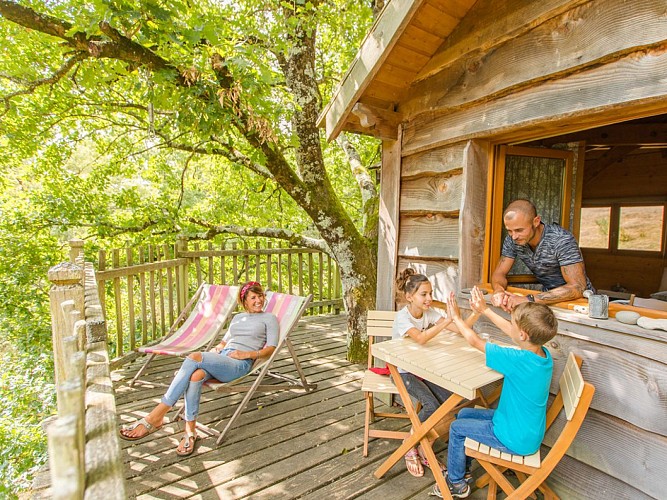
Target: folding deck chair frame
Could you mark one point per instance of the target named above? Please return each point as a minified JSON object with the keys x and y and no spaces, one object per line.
{"x":288,"y":309}
{"x":197,"y":325}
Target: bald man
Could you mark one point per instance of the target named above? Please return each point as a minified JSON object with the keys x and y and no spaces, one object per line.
{"x":548,"y":250}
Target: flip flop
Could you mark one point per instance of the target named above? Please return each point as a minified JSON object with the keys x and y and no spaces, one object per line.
{"x":413,"y":463}
{"x":150,"y":428}
{"x":187,"y":448}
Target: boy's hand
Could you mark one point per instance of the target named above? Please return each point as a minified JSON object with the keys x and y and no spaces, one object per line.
{"x":477,"y":302}
{"x":453,"y":310}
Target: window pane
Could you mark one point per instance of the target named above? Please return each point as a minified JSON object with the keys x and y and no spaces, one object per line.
{"x":641,"y":228}
{"x":594,"y":229}
{"x":539,"y":180}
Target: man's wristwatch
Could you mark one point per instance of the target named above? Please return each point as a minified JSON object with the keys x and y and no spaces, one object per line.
{"x":530,"y":297}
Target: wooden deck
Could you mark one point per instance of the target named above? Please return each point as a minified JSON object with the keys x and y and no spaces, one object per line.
{"x":286,"y":444}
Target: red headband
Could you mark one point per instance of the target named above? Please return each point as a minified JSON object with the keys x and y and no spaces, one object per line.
{"x":246,"y":287}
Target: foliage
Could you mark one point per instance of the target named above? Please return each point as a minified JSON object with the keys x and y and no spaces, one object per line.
{"x":207,"y":120}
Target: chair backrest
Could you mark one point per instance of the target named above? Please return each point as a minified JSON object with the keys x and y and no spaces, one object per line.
{"x":575,"y":396}
{"x":287,"y":308}
{"x":214,"y":305}
{"x":378,"y":324}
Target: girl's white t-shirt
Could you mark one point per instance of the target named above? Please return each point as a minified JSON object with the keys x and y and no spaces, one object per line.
{"x":404,"y":321}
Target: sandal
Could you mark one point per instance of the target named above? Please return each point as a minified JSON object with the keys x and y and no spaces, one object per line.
{"x":150,"y":429}
{"x":424,"y":461}
{"x":413,"y":463}
{"x":188,"y":448}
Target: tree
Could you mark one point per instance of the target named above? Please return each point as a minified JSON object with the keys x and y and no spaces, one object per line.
{"x":226,"y":84}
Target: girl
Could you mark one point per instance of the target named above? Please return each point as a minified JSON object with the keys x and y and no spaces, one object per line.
{"x":421,"y":323}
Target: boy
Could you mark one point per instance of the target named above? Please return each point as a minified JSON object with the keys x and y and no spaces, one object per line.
{"x":517,"y":426}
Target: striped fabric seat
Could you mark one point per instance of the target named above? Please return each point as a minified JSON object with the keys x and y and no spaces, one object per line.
{"x":288,"y":309}
{"x":205,"y":315}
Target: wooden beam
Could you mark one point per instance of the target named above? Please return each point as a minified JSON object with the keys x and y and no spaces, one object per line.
{"x":566,"y":44}
{"x":624,"y":134}
{"x":595,"y":168}
{"x":383,"y":121}
{"x":373,"y":52}
{"x":390,"y":191}
{"x":622,"y":90}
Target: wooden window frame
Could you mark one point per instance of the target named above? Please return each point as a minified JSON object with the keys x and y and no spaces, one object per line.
{"x":615,"y":229}
{"x":495,"y":193}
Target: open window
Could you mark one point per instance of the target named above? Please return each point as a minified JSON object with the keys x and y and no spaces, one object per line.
{"x":541,"y":175}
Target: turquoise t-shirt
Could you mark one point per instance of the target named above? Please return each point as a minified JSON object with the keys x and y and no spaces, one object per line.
{"x":520,"y":420}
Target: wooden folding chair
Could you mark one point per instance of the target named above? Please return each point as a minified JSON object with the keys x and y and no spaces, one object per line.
{"x":288,"y":309}
{"x":379,"y":324}
{"x":575,"y":396}
{"x":198,"y":325}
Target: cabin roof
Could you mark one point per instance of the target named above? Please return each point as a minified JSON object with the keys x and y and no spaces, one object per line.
{"x":398,"y":51}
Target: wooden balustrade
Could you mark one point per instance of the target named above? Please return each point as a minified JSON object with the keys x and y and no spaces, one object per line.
{"x":142,"y":290}
{"x":84,"y":449}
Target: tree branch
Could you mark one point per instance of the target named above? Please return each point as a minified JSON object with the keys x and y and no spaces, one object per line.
{"x":56,"y":76}
{"x":361,"y":173}
{"x":267,"y":232}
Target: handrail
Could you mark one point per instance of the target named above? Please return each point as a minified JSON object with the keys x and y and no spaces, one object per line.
{"x":143,"y":289}
{"x":84,"y":450}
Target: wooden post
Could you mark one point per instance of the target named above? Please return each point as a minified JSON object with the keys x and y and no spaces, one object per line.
{"x":66,"y":279}
{"x":75,"y":250}
{"x":71,"y":403}
{"x":67,"y":474}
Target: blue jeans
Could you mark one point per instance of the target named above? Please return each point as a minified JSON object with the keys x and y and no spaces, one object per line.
{"x":430,"y":396}
{"x":476,"y":424}
{"x":218,"y":366}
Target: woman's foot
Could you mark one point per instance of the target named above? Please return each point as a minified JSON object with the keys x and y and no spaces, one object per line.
{"x":139,"y":429}
{"x":413,"y":463}
{"x":187,"y":444}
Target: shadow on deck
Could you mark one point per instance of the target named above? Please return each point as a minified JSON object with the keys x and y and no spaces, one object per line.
{"x":285,"y":445}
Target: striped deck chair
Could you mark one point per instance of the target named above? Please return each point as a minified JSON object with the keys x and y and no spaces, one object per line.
{"x":288,"y":309}
{"x":200,"y":323}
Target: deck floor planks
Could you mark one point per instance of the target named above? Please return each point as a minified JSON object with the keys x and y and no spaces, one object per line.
{"x":287,"y":444}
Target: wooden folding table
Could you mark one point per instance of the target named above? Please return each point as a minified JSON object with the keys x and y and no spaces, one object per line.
{"x":448,"y":361}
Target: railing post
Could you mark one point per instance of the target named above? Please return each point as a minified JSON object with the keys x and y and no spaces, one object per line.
{"x":67,"y":287}
{"x":75,"y":250}
{"x":182,"y":273}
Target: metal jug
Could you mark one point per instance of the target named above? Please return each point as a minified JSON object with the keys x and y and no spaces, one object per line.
{"x":598,"y":306}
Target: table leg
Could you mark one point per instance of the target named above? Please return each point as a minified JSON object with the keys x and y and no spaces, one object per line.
{"x":419,"y":432}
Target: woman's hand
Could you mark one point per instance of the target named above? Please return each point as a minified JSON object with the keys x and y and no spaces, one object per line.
{"x":477,"y":302}
{"x":238,"y":355}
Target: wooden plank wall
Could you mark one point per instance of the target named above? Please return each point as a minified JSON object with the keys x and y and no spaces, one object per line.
{"x":580,"y":67}
{"x":431,"y":187}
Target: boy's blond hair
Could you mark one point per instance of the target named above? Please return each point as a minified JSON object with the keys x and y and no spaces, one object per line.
{"x":537,"y":321}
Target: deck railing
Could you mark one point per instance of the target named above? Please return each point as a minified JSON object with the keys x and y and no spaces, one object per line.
{"x":143,"y":289}
{"x":84,"y":450}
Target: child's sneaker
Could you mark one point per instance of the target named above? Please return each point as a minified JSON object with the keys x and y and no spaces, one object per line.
{"x":461,"y":490}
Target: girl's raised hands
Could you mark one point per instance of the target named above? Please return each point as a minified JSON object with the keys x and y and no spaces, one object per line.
{"x":452,"y":307}
{"x":477,"y":302}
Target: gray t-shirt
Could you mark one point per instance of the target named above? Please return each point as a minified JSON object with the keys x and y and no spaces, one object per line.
{"x":251,"y":332}
{"x":403,"y":321}
{"x":557,"y":248}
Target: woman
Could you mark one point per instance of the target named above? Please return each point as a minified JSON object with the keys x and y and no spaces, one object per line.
{"x":421,"y":323}
{"x":251,"y":335}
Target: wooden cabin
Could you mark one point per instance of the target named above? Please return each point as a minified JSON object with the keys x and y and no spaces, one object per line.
{"x":563,"y":102}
